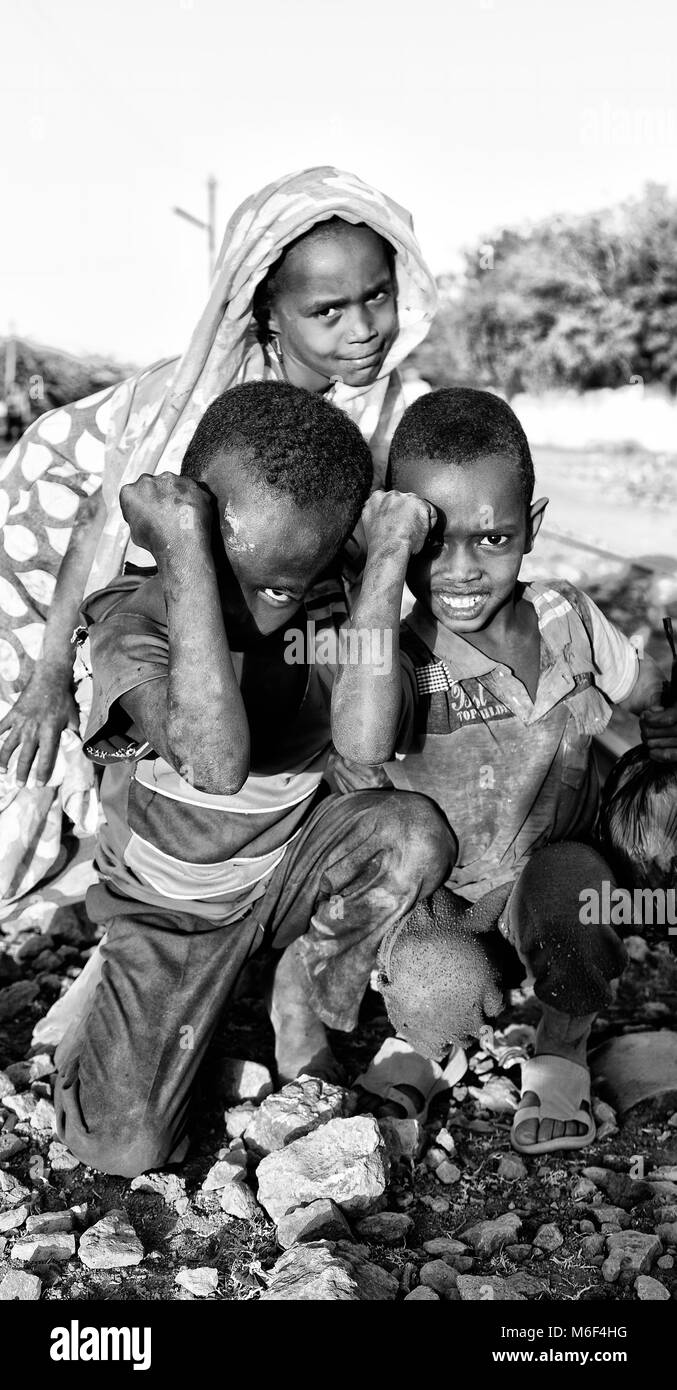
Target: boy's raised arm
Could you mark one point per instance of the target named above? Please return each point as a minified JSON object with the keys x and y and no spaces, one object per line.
{"x":367,"y":694}
{"x":195,"y":719}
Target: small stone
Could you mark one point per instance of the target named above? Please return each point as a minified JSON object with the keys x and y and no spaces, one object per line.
{"x":111,"y":1243}
{"x":608,"y":1215}
{"x":665,"y":1262}
{"x":488,"y":1236}
{"x":668,"y":1232}
{"x":499,"y":1095}
{"x":13,"y":1219}
{"x":651,"y":1290}
{"x":605,"y":1119}
{"x":10,"y":1146}
{"x":583,"y":1190}
{"x":344,"y":1160}
{"x":592,"y":1245}
{"x":237,"y":1119}
{"x":43,"y":1118}
{"x":22,"y":1104}
{"x":443,"y":1246}
{"x":299,"y":1108}
{"x":403,"y":1138}
{"x":438,"y":1275}
{"x":239,"y":1201}
{"x":459,"y":1093}
{"x":439,"y":1205}
{"x":12,"y":1192}
{"x":672,"y":1120}
{"x":44,"y":1223}
{"x":60,"y":1158}
{"x":225,"y":1172}
{"x":422,"y":1294}
{"x":14,"y":998}
{"x":447,"y":1173}
{"x":548,"y":1237}
{"x":512,"y":1168}
{"x":636,"y":948}
{"x":202,"y":1283}
{"x":320,"y":1220}
{"x":446,"y":1141}
{"x":434,"y":1157}
{"x":244,"y":1080}
{"x":386,"y":1227}
{"x":7,"y":1086}
{"x":586,"y":1228}
{"x":18,"y":1284}
{"x":169,"y":1186}
{"x":325,"y":1270}
{"x":633,"y":1251}
{"x":517,"y":1253}
{"x":37,"y":1250}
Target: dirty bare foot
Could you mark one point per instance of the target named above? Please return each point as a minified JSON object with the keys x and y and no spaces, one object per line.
{"x":301,"y":1046}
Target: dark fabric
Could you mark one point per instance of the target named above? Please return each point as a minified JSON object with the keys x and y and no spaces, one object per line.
{"x":126,"y":1075}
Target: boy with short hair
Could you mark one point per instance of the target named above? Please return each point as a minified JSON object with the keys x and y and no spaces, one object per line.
{"x":217,"y":835}
{"x":491,"y":711}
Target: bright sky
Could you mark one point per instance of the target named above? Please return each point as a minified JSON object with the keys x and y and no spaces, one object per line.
{"x":472,"y":113}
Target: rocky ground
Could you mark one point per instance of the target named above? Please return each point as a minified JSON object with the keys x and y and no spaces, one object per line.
{"x":294,"y":1195}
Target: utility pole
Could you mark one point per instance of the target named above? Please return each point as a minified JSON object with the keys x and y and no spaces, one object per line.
{"x":209,"y":226}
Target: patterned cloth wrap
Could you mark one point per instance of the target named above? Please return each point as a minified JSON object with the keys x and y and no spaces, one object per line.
{"x":144,"y":425}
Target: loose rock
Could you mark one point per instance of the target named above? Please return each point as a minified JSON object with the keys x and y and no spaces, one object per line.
{"x":41,"y":1249}
{"x":511,"y":1168}
{"x":44,"y":1223}
{"x":298,"y":1109}
{"x":447,"y":1173}
{"x":387,"y":1227}
{"x":344,"y":1160}
{"x":200,"y":1282}
{"x":237,"y":1119}
{"x":321,"y":1220}
{"x":60,"y":1158}
{"x":422,"y":1294}
{"x":442,"y":1246}
{"x":487,"y":1236}
{"x":438,"y":1275}
{"x":487,"y":1287}
{"x":14,"y":998}
{"x":245,"y":1080}
{"x":326,"y":1271}
{"x":668,"y":1232}
{"x":651,"y":1290}
{"x":13,"y":1219}
{"x":111,"y":1243}
{"x":237,"y":1199}
{"x":226,"y":1171}
{"x":548,"y":1237}
{"x":18,"y":1284}
{"x":403,"y":1138}
{"x":631,"y":1250}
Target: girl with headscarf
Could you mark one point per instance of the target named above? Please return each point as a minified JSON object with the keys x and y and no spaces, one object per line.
{"x":319,"y":281}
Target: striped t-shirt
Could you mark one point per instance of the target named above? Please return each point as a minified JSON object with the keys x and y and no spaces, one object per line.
{"x":163,"y":841}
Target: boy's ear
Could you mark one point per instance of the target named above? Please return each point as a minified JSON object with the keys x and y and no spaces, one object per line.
{"x":536,"y":514}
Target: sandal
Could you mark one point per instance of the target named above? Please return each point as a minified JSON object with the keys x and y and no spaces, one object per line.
{"x":564,"y":1088}
{"x":397,"y":1065}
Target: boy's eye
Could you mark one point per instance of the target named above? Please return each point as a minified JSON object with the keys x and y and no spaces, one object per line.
{"x":379,"y":296}
{"x":495,"y":541}
{"x":276,"y":597}
{"x":329,"y":314}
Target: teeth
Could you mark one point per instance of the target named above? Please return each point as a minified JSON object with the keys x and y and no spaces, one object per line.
{"x":469,"y":602}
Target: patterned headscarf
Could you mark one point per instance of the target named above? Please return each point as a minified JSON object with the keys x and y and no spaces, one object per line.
{"x":155,"y":418}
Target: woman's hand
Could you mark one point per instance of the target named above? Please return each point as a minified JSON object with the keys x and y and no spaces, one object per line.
{"x":36,"y":721}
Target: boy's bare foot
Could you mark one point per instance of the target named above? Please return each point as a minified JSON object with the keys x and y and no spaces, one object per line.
{"x":301,"y":1046}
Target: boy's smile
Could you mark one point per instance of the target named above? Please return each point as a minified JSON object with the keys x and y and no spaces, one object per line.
{"x":467,"y":571}
{"x":334,"y":309}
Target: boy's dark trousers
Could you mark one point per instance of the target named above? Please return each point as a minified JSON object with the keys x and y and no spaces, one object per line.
{"x":125,"y":1073}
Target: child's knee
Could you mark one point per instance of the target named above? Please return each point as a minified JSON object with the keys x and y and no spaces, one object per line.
{"x":426,"y":846}
{"x":123,"y":1147}
{"x":572,"y":959}
{"x":441,"y":983}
